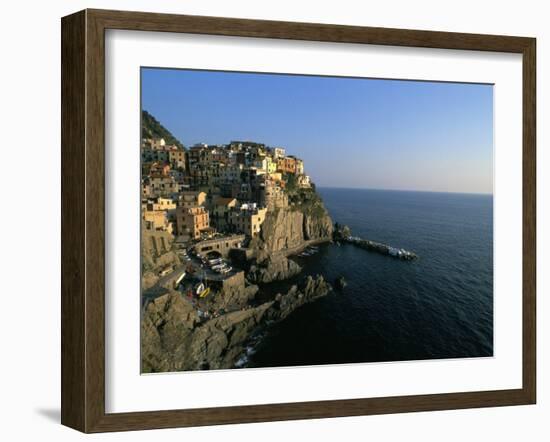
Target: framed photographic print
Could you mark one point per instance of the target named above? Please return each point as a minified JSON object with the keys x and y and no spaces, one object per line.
{"x":270,"y":220}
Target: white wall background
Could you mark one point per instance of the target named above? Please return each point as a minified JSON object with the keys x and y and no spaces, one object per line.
{"x":30,"y":258}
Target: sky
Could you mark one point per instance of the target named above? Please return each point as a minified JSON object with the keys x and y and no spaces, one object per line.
{"x":350,"y":132}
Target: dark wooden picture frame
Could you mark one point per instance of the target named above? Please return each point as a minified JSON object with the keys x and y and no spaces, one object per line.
{"x":83,"y":220}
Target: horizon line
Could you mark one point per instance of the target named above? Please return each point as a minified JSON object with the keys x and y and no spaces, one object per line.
{"x":404,"y":190}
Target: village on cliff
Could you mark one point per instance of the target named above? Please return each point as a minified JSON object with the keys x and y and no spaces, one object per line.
{"x":219,"y":221}
{"x":210,"y":202}
{"x":197,"y":194}
{"x":210,"y":199}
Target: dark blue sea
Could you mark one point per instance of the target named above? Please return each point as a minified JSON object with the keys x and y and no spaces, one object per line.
{"x":440,"y":306}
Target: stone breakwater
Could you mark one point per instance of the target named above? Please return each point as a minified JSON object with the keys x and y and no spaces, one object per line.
{"x":343,"y":234}
{"x":383,"y":249}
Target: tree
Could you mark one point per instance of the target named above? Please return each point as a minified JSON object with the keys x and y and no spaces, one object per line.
{"x":151,"y":128}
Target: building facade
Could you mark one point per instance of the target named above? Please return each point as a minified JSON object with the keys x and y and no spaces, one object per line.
{"x":192,"y":221}
{"x":247,"y":219}
{"x":157,"y":220}
{"x":177,"y":158}
{"x":286,"y":165}
{"x":192,"y":198}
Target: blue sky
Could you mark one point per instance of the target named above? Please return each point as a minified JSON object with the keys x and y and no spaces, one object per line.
{"x":358,"y":133}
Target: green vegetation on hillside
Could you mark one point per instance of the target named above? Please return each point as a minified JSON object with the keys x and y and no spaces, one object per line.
{"x":151,"y":128}
{"x":307,"y":200}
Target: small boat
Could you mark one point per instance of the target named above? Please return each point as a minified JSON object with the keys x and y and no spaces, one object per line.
{"x":180,"y":278}
{"x":199,"y":289}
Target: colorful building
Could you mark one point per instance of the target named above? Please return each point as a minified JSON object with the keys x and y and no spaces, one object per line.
{"x":192,"y":198}
{"x":157,"y":220}
{"x":247,"y":219}
{"x":177,"y":158}
{"x":192,"y":221}
{"x":286,"y":165}
{"x":271,"y":165}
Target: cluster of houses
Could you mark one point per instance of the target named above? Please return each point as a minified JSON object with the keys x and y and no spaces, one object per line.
{"x":198,"y":192}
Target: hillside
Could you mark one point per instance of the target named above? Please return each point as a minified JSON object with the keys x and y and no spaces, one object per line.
{"x":152,"y":128}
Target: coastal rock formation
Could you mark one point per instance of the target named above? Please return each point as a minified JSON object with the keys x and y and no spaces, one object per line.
{"x":157,"y":254}
{"x":219,"y":342}
{"x":175,"y":338}
{"x":235,"y":293}
{"x":166,"y":322}
{"x":148,"y":280}
{"x":341,"y":231}
{"x":291,"y":228}
{"x":288,"y":230}
{"x":283,"y":229}
{"x":308,"y":291}
{"x":317,"y":224}
{"x":276,"y":267}
{"x":340,"y":283}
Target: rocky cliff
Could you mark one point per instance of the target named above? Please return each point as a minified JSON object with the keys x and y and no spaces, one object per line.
{"x":157,"y":254}
{"x":310,"y":290}
{"x":341,"y":232}
{"x":291,"y":228}
{"x":287,"y":230}
{"x":175,"y":338}
{"x":275,"y":267}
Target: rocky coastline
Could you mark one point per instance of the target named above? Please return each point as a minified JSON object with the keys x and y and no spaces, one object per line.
{"x":176,"y":338}
{"x":177,"y":334}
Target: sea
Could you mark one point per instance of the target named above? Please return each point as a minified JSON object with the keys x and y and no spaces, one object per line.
{"x":437,"y":307}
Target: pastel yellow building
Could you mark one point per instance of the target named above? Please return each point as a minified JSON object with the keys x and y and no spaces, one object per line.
{"x":156,"y":220}
{"x":248,"y":219}
{"x":163,"y":204}
{"x":192,"y":198}
{"x":271,"y":165}
{"x":299,"y":166}
{"x":157,"y":143}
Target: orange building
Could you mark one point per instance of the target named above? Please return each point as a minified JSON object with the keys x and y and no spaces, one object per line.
{"x":160,"y":169}
{"x":290,"y":164}
{"x":192,"y":221}
{"x":286,"y":165}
